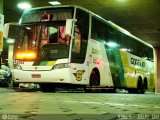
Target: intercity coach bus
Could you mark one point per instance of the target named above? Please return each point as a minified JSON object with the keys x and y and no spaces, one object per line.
{"x":70,"y":45}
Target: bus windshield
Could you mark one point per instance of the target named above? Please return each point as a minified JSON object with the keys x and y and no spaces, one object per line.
{"x":39,"y":27}
{"x":53,"y":51}
{"x":34,"y":37}
{"x":46,"y":15}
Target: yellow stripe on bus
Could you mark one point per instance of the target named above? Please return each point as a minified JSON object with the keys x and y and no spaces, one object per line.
{"x":51,"y":63}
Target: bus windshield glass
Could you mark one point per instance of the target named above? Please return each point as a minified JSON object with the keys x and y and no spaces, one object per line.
{"x":33,"y":37}
{"x":53,"y":51}
{"x":46,"y":15}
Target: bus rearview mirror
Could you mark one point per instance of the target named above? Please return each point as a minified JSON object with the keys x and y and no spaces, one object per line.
{"x":69,"y":25}
{"x":9,"y":30}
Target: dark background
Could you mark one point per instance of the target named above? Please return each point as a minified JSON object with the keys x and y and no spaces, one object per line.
{"x":140,"y":17}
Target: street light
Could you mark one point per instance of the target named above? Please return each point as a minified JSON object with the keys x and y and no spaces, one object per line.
{"x":24,"y":5}
{"x":121,"y":0}
{"x":10,"y":41}
{"x":54,"y":3}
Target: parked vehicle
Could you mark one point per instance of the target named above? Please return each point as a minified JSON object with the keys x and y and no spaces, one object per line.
{"x":5,"y":76}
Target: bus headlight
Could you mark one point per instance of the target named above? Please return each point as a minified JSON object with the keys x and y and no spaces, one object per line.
{"x":62,"y":65}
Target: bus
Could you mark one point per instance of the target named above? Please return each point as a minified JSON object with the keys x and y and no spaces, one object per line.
{"x":71,"y":46}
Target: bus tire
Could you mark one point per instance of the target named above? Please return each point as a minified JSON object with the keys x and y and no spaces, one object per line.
{"x":94,"y":82}
{"x":47,"y":87}
{"x":94,"y":79}
{"x":14,"y":84}
{"x":145,"y":84}
{"x":140,"y":86}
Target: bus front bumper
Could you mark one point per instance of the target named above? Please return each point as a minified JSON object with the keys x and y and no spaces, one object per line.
{"x":52,"y":76}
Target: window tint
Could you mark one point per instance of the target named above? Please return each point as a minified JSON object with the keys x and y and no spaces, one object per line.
{"x":80,"y":41}
{"x":116,"y":39}
{"x":53,"y":51}
{"x":103,"y":32}
{"x":136,"y":47}
{"x":99,"y":30}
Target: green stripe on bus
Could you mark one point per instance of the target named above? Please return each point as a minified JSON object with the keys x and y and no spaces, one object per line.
{"x":43,"y":63}
{"x":120,"y":67}
{"x":116,"y":66}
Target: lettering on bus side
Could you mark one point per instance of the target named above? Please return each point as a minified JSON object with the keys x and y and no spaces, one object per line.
{"x":137,"y":62}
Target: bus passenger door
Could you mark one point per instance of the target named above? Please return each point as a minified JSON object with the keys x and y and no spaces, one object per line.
{"x":78,"y":64}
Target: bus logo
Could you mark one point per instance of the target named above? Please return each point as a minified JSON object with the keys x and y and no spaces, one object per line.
{"x":137,"y":62}
{"x":79,"y":74}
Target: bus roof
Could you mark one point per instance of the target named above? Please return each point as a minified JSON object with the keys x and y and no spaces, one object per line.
{"x":110,"y":23}
{"x":59,"y":6}
{"x":120,"y":29}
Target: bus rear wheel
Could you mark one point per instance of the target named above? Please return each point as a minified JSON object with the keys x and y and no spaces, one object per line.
{"x":140,"y":86}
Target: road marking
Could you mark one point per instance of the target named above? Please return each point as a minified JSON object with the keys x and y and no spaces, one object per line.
{"x":92,"y":103}
{"x":115,"y":104}
{"x":71,"y":101}
{"x":132,"y":105}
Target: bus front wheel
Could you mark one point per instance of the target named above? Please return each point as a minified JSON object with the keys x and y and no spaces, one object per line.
{"x":94,"y":79}
{"x":46,"y":87}
{"x":94,"y":82}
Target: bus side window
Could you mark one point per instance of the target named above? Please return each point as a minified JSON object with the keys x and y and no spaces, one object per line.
{"x":44,"y":35}
{"x":53,"y":34}
{"x":24,"y":44}
{"x":77,"y":40}
{"x":62,"y":37}
{"x":53,"y":37}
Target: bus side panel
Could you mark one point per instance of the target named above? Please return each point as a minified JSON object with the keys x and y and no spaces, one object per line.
{"x":120,"y":67}
{"x":107,"y":77}
{"x":135,"y":67}
{"x":97,"y":58}
{"x":129,"y":72}
{"x":151,"y":85}
{"x":116,"y":67}
{"x":150,"y":69}
{"x":79,"y":73}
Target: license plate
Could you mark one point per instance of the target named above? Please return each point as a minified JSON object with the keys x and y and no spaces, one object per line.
{"x":36,"y":76}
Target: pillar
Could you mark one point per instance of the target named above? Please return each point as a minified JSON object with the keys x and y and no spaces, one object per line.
{"x":1,"y":6}
{"x":10,"y":56}
{"x":1,"y":28}
{"x":157,"y":70}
